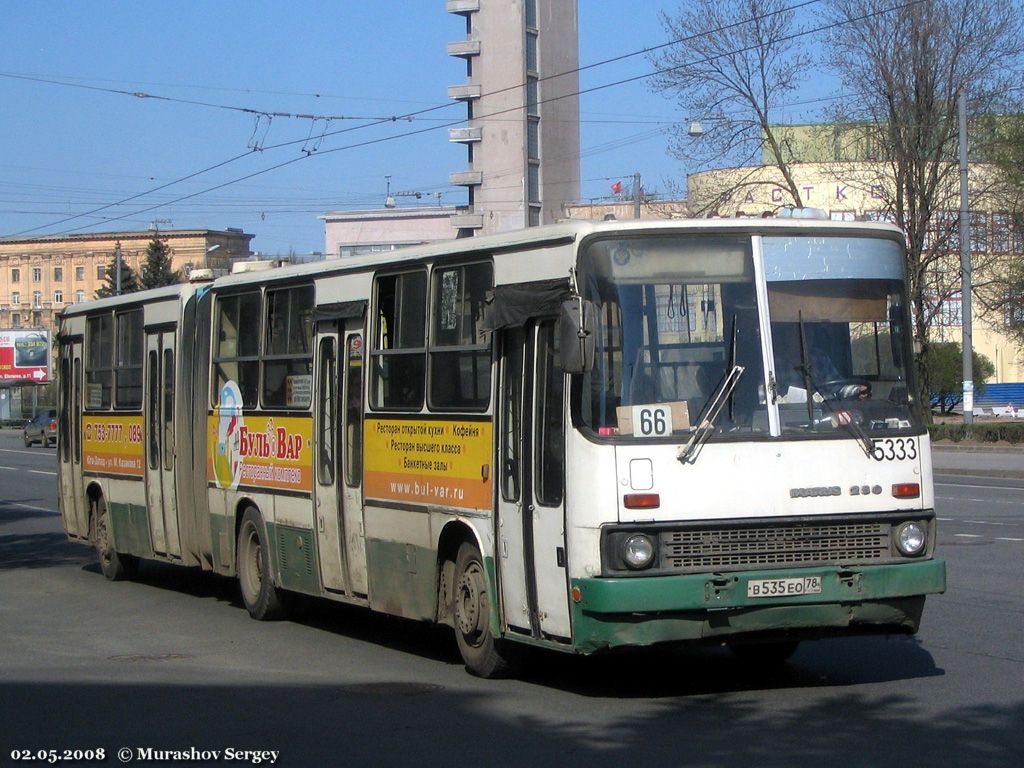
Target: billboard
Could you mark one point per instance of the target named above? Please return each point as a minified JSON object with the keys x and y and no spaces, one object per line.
{"x":25,"y":355}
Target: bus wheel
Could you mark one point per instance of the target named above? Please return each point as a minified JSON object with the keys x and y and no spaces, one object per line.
{"x":262,"y":599}
{"x":764,"y":654}
{"x":115,"y":565}
{"x":481,"y":651}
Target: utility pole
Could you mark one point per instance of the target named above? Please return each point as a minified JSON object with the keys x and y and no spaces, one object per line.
{"x":117,"y":268}
{"x":965,"y":268}
{"x":636,"y":195}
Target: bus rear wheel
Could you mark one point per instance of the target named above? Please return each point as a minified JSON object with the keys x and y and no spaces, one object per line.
{"x":262,"y":599}
{"x":484,"y":655}
{"x":115,"y":565}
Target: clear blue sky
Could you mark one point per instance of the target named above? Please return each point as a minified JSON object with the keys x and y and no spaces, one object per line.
{"x":68,"y":150}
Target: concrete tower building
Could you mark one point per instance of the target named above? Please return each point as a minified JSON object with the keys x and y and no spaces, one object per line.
{"x":521,"y":95}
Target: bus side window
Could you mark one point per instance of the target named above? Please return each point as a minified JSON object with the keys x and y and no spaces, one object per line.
{"x":327,"y":422}
{"x":236,"y":346}
{"x":354,"y":411}
{"x":460,"y":354}
{"x":99,"y":362}
{"x":550,"y":444}
{"x":399,"y":342}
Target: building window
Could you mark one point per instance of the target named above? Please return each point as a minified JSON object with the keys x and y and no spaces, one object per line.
{"x":58,"y":274}
{"x":531,"y":52}
{"x":101,"y":272}
{"x":1013,"y":309}
{"x":37,"y":274}
{"x":15,"y":320}
{"x":79,"y":274}
{"x":533,"y":182}
{"x":533,"y":139}
{"x":37,"y":299}
{"x":532,"y":96}
{"x":79,"y":297}
{"x":58,"y":297}
{"x":16,"y":298}
{"x":945,"y":313}
{"x":16,"y":275}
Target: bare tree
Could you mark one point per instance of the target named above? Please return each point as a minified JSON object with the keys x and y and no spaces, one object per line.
{"x":904,"y":65}
{"x":733,"y":63}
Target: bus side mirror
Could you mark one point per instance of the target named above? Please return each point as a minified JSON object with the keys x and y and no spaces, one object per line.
{"x":576,"y":335}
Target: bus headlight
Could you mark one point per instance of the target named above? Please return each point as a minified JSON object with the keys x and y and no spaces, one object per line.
{"x":911,"y":539}
{"x":638,"y":551}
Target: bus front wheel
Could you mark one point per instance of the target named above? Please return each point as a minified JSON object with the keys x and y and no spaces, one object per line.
{"x":262,"y":599}
{"x":115,"y":565}
{"x":483,"y":654}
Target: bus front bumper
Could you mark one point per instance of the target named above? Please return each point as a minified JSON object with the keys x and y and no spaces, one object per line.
{"x":638,"y":611}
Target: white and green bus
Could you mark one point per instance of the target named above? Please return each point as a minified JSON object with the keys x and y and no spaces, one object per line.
{"x":579,"y":437}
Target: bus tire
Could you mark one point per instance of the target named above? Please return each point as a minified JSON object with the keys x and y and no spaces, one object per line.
{"x":483,"y":654}
{"x":764,"y":655}
{"x":263,"y":600}
{"x":115,"y":565}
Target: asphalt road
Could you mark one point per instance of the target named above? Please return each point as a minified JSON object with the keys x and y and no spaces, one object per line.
{"x":172,"y":663}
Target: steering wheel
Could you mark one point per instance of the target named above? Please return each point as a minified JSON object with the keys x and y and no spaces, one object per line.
{"x":846,"y":389}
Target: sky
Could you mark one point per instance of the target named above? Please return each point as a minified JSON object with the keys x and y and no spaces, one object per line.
{"x":128,"y":115}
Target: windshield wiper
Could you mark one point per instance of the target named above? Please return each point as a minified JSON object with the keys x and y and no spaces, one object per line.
{"x":710,"y":411}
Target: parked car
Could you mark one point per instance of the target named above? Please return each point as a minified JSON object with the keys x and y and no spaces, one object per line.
{"x":42,"y":429}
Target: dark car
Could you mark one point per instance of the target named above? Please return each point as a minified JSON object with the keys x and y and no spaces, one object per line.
{"x":42,"y":429}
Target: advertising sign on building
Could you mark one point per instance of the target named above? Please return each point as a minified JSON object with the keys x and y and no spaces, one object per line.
{"x":25,"y":355}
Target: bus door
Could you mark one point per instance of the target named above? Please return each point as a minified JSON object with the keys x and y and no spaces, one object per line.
{"x":339,"y":518}
{"x":69,"y":425}
{"x":531,"y":512}
{"x":158,"y":433}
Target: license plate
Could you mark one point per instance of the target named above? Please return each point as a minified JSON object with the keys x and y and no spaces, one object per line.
{"x":807,"y":585}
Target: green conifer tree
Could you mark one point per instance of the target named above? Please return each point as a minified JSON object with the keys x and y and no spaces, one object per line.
{"x":157,"y":272}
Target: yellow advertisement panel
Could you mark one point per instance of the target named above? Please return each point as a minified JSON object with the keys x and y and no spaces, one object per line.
{"x":256,"y":451}
{"x":447,"y":463}
{"x":112,"y":444}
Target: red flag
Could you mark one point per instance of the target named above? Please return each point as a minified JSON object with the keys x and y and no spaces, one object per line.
{"x":617,"y":187}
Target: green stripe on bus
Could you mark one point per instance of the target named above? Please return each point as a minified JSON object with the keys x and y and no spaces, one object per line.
{"x":642,"y":611}
{"x":130,"y":524}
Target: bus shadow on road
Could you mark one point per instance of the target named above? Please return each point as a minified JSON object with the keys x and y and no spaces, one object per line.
{"x":656,"y":672}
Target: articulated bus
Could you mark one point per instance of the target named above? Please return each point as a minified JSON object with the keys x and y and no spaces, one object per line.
{"x":581,"y":437}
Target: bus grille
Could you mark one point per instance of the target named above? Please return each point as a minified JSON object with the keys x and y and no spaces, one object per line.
{"x":714,"y":548}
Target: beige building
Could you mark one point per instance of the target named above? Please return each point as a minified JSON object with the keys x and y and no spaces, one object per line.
{"x":347,"y":233}
{"x":521,"y":95}
{"x":39,"y":276}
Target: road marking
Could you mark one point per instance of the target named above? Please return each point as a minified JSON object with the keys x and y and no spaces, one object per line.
{"x":30,"y":471}
{"x":968,"y":536}
{"x":984,"y":487}
{"x":28,"y":506}
{"x":24,"y":451}
{"x":1007,"y":538}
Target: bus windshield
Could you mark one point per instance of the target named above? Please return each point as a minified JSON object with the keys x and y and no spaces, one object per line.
{"x":840,"y":345}
{"x":676,"y":314}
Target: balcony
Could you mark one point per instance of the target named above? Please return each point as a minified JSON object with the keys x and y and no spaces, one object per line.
{"x":466,"y":92}
{"x":464,"y":7}
{"x":468,"y":220}
{"x":465,"y":135}
{"x":466,"y":178}
{"x":464,"y":48}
